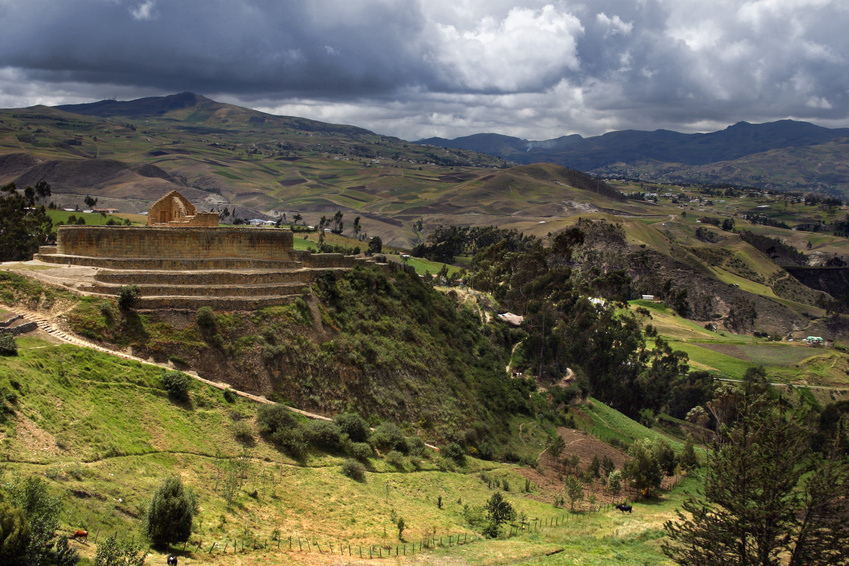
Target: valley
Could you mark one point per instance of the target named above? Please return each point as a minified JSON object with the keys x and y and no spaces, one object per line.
{"x":369,"y":416}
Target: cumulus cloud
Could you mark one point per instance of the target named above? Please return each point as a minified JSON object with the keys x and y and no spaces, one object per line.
{"x":144,"y":11}
{"x":532,"y":68}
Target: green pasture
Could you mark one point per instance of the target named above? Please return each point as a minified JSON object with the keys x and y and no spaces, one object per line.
{"x":704,"y":358}
{"x":613,"y":427}
{"x":102,"y":432}
{"x":91,"y":218}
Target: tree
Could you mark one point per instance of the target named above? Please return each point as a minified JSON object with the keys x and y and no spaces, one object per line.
{"x":614,"y":482}
{"x":357,"y":227}
{"x":177,"y":384}
{"x":768,"y":498}
{"x":14,"y":535}
{"x":375,"y":245}
{"x":643,"y":468}
{"x":170,"y":513}
{"x":498,"y":511}
{"x":90,"y":201}
{"x":8,"y":345}
{"x":337,"y":222}
{"x":23,"y":226}
{"x":574,"y":491}
{"x":556,"y":447}
{"x":127,"y":296}
{"x":41,"y":511}
{"x":42,"y":190}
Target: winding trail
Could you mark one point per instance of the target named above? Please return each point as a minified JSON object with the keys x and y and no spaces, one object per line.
{"x":47,"y":325}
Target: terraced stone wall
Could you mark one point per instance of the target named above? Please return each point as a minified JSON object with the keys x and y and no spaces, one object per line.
{"x":175,"y":243}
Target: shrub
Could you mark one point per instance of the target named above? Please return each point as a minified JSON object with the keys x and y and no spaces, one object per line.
{"x":14,"y":534}
{"x":416,"y":446}
{"x":354,"y":470}
{"x":324,"y":435}
{"x":280,"y":426}
{"x":353,"y":425}
{"x":41,"y":510}
{"x":229,"y":396}
{"x":170,"y":513}
{"x":387,"y":436}
{"x":360,"y":450}
{"x":395,"y":458}
{"x":454,"y":452}
{"x":243,"y":433}
{"x":8,"y":346}
{"x":112,"y":552}
{"x":176,"y":383}
{"x":205,"y":318}
{"x":498,"y":511}
{"x":127,"y":296}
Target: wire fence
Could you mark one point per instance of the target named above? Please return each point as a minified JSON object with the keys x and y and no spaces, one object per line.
{"x":306,"y":544}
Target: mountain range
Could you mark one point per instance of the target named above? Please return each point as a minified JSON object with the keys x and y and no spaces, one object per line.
{"x":786,"y":154}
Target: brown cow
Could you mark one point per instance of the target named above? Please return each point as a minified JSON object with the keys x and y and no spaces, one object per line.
{"x":80,"y":535}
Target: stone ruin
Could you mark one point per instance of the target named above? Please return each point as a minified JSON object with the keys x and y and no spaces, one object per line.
{"x":183,"y":261}
{"x":175,"y":210}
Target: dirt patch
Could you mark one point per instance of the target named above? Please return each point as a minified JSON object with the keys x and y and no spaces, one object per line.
{"x":551,"y":473}
{"x":33,"y":439}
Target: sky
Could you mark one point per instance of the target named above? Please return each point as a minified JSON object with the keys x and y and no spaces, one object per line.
{"x":420,"y":68}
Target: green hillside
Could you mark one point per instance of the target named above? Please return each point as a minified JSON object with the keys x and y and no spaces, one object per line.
{"x":103,"y":433}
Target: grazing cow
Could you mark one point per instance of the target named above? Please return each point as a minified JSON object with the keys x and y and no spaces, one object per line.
{"x":80,"y":535}
{"x":622,"y":507}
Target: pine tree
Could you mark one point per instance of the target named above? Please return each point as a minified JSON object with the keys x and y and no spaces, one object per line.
{"x":768,"y":498}
{"x":170,"y":514}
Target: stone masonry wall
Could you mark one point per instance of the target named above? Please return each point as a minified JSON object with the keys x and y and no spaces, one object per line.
{"x":190,"y":243}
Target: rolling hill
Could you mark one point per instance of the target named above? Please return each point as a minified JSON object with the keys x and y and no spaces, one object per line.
{"x":785,"y":154}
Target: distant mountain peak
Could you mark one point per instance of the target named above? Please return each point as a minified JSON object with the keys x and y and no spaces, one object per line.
{"x":150,"y":106}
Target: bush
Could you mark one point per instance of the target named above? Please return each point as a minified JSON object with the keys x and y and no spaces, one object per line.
{"x":176,"y":383}
{"x":170,"y":513}
{"x":395,"y":458}
{"x":111,"y":552}
{"x":229,"y":396}
{"x":14,"y":534}
{"x":279,"y":425}
{"x":243,"y":433}
{"x":387,"y":436}
{"x":8,"y":345}
{"x":416,"y":446}
{"x":324,"y":435}
{"x":127,"y":296}
{"x":354,"y":470}
{"x":360,"y":450}
{"x":205,"y":318}
{"x":41,"y":510}
{"x":353,"y":425}
{"x":454,"y":452}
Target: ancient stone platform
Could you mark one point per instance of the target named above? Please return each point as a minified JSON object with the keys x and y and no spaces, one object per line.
{"x":188,"y":267}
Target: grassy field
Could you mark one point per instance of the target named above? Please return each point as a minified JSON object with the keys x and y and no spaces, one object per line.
{"x":102,"y":432}
{"x":91,"y":218}
{"x":615,"y":428}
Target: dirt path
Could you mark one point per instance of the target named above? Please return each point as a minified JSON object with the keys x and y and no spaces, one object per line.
{"x":49,"y":326}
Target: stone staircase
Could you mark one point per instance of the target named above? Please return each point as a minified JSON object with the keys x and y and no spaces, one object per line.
{"x":218,"y":289}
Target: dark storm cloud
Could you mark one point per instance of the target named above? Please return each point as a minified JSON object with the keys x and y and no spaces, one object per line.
{"x":260,"y":46}
{"x":415,"y":68}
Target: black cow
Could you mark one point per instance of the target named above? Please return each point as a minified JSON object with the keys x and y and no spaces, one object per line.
{"x":622,"y":507}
